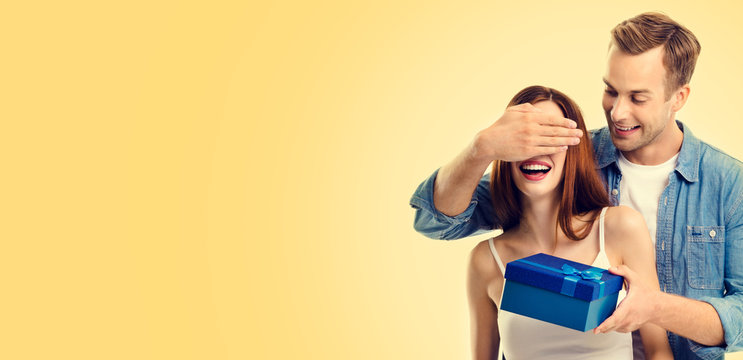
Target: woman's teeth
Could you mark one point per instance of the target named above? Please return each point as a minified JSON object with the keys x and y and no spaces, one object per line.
{"x":535,"y":167}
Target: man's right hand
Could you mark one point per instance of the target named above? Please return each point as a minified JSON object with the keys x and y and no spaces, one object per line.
{"x":523,"y":132}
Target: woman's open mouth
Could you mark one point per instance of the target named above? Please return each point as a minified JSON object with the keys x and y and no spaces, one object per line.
{"x":535,"y":170}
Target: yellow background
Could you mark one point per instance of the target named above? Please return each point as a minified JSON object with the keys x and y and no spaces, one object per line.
{"x":230,"y":180}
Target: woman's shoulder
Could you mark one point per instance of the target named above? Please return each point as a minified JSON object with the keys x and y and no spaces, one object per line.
{"x":625,"y":225}
{"x":622,"y":217}
{"x":482,"y":258}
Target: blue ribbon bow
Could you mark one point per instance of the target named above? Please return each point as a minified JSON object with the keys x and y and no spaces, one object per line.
{"x":585,"y":274}
{"x":572,"y":276}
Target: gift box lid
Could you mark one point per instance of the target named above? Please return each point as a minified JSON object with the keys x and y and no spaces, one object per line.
{"x":564,"y":276}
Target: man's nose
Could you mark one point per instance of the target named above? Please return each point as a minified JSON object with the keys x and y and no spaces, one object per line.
{"x":619,"y":109}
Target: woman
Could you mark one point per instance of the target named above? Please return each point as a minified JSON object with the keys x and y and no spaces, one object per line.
{"x":555,"y":204}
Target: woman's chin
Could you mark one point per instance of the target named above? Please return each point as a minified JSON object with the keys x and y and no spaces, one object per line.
{"x":537,"y":191}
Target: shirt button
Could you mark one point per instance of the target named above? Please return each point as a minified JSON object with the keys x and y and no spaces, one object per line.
{"x":712,"y":233}
{"x":615,"y":192}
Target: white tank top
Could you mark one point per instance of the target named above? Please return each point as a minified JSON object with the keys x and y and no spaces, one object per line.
{"x":522,"y":337}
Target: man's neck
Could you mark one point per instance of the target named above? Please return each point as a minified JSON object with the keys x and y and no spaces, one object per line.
{"x":664,"y":147}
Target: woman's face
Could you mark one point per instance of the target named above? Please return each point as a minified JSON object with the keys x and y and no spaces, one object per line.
{"x":540,"y":175}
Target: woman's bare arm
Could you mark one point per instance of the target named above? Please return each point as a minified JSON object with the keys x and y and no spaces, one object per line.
{"x":483,"y":312}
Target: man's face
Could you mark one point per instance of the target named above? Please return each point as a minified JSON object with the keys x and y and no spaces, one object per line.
{"x":634,"y":101}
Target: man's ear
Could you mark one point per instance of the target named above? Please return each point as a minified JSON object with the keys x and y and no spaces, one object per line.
{"x":679,"y":97}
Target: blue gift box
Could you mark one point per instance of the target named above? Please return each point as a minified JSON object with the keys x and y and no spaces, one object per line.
{"x":560,"y":291}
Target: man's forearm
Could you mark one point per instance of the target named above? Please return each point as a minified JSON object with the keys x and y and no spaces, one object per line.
{"x":692,"y":319}
{"x":457,"y":181}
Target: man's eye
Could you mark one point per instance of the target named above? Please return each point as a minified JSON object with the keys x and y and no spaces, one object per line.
{"x":610,"y":92}
{"x":638,"y":101}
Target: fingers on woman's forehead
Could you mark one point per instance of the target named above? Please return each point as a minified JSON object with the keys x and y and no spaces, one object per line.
{"x":560,"y":132}
{"x":570,"y":123}
{"x":525,"y":107}
{"x":556,"y":120}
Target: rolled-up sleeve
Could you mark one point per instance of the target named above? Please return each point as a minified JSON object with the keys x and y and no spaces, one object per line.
{"x":476,"y":219}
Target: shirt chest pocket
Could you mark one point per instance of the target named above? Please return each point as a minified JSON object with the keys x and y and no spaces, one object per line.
{"x":705,"y":256}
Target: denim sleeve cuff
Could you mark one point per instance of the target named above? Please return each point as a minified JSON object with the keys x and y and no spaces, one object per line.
{"x":423,"y":199}
{"x":431,"y":222}
{"x":704,"y":352}
{"x":729,"y":311}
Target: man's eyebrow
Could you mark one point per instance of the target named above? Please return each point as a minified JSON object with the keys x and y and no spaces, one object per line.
{"x":640,"y":91}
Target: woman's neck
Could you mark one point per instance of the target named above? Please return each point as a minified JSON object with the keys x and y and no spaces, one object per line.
{"x":539,"y":221}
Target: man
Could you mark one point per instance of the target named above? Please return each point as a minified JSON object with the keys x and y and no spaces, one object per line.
{"x":690,"y":194}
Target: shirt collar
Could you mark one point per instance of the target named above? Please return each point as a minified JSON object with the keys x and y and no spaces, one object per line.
{"x":688,"y":160}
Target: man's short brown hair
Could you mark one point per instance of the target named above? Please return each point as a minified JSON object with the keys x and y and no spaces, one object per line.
{"x":650,"y":30}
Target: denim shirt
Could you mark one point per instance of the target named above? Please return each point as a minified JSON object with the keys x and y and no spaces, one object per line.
{"x":699,"y":239}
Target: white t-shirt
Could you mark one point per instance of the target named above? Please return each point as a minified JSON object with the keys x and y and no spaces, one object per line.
{"x":641,"y":187}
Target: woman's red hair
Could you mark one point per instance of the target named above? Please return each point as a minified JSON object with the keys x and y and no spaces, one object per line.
{"x":583,"y":192}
